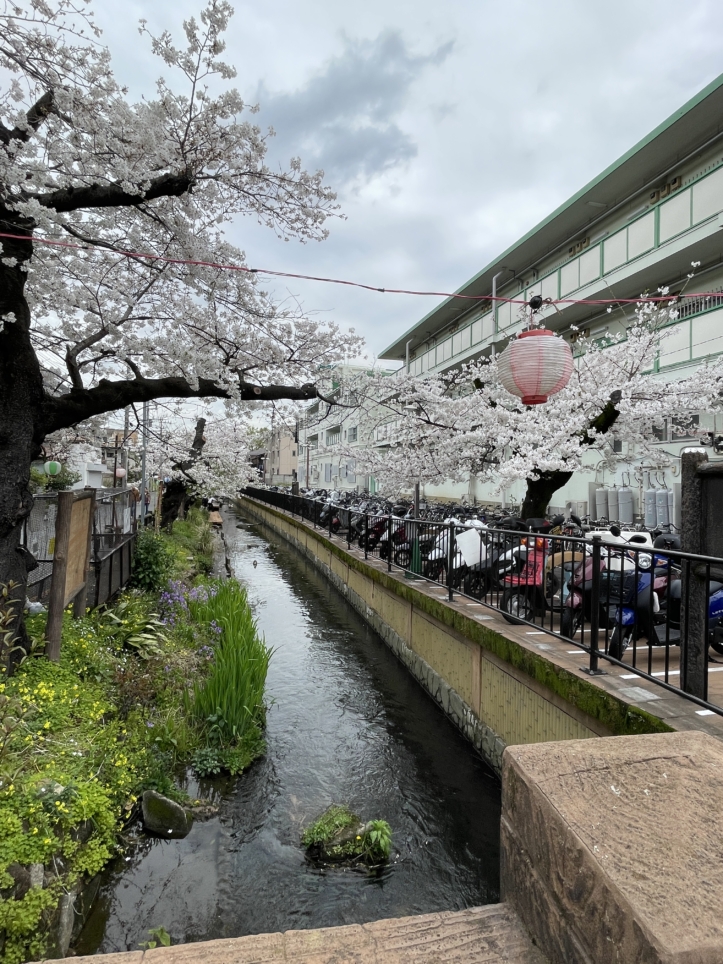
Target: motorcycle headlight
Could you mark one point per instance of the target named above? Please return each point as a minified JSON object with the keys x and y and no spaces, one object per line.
{"x":644,"y":560}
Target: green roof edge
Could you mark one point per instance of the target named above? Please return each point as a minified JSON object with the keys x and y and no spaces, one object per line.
{"x":668,"y":122}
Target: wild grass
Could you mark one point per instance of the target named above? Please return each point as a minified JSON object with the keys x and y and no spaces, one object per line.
{"x":230,"y":700}
{"x":335,"y":818}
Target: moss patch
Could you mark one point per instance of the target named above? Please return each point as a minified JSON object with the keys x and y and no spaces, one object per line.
{"x":328,"y":825}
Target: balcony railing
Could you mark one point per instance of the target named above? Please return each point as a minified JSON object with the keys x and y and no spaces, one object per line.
{"x":662,"y":223}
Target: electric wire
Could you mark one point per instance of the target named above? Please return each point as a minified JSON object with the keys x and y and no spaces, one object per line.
{"x":217,"y":265}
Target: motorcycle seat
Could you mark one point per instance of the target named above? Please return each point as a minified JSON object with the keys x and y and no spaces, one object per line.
{"x":714,"y":587}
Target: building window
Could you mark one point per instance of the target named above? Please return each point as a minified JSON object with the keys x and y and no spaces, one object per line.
{"x":660,"y":433}
{"x":353,"y":434}
{"x":681,"y":428}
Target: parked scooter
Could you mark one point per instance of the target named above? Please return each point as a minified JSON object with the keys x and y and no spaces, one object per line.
{"x":437,"y":558}
{"x":578,"y":604}
{"x":541,"y":584}
{"x":327,"y":510}
{"x":425,"y":537}
{"x":378,"y":526}
{"x":715,"y":615}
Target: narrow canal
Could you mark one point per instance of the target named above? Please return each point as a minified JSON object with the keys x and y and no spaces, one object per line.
{"x":346,"y":724}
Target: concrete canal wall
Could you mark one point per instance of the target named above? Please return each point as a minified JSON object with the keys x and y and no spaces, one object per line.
{"x":497,"y":691}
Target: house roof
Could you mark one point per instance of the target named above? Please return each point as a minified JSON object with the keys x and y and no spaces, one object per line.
{"x":686,"y":130}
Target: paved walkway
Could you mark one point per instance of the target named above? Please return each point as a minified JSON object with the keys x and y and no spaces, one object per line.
{"x":483,"y":935}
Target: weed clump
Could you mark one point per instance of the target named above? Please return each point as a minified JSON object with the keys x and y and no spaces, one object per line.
{"x":340,"y":836}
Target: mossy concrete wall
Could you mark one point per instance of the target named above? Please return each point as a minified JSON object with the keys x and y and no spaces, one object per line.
{"x":496,"y":691}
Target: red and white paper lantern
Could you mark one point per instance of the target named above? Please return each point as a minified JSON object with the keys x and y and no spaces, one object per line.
{"x":535,"y":365}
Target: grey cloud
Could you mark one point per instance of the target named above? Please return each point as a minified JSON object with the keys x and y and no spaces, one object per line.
{"x":344,"y":118}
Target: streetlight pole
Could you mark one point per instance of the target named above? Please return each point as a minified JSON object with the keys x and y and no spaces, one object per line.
{"x":144,"y":480}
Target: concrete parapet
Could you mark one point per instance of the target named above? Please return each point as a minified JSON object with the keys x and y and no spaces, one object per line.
{"x":482,"y":935}
{"x":612,"y":849}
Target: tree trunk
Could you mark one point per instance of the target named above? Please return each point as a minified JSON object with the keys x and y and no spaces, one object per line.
{"x":21,"y":401}
{"x":540,"y":491}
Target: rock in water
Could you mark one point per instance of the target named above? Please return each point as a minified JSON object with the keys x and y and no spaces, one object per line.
{"x":165,"y":817}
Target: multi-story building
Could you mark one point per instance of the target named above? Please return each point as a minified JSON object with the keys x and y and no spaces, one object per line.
{"x":636,"y":227}
{"x":326,"y":432}
{"x":281,"y":457}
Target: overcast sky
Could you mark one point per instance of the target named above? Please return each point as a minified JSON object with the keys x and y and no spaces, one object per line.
{"x":447,"y":129}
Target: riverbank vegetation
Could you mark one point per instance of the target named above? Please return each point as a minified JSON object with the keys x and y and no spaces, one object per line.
{"x":80,"y":740}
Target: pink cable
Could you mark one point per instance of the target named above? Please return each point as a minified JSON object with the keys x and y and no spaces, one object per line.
{"x":89,"y":246}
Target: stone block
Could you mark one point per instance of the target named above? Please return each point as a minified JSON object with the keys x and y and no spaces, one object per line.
{"x":612,"y":849}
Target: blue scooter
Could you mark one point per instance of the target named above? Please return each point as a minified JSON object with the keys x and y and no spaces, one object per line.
{"x":715,"y":613}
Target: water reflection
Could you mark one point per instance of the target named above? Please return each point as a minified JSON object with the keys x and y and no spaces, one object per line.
{"x":347,"y":724}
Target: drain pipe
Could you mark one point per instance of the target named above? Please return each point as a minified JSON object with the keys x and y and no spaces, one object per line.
{"x":494,"y":295}
{"x":406,"y":354}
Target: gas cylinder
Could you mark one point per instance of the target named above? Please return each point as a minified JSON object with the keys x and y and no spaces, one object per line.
{"x":613,"y":509}
{"x":671,"y":507}
{"x":601,"y":504}
{"x":625,"y":505}
{"x":650,"y":516}
{"x":662,"y":518}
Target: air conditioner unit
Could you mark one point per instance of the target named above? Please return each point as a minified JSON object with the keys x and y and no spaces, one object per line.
{"x":665,"y":191}
{"x":654,"y":197}
{"x":676,"y":183}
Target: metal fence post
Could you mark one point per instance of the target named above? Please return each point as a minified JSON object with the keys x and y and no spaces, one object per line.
{"x":450,"y":562}
{"x":389,"y":544}
{"x":593,"y":669}
{"x":331,"y":517}
{"x":366,"y":536}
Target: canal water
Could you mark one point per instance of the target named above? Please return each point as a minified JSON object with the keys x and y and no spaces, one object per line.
{"x":346,"y":724}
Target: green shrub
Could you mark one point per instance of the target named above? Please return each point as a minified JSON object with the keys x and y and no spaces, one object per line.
{"x":152,"y":562}
{"x":63,"y":480}
{"x":230,"y":700}
{"x":378,"y":840}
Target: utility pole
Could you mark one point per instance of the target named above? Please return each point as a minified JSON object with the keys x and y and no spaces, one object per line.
{"x":124,"y":451}
{"x":144,"y":480}
{"x":306,"y":441}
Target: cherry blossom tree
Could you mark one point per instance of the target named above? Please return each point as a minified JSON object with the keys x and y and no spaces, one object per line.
{"x":92,"y":329}
{"x":209,"y":458}
{"x":464,"y":422}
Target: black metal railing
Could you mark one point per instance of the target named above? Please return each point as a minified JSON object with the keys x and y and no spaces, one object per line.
{"x":655,"y":612}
